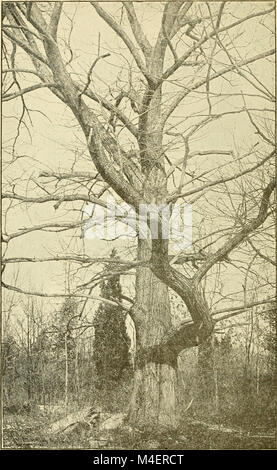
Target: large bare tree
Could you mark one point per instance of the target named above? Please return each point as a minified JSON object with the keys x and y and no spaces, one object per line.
{"x":151,"y":104}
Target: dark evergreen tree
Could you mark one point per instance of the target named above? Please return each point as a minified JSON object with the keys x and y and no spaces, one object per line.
{"x":111,"y":344}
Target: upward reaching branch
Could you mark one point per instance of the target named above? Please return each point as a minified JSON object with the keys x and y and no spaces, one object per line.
{"x":54,"y":21}
{"x":137,"y":29}
{"x":121,"y":33}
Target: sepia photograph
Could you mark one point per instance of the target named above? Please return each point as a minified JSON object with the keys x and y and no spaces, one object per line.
{"x":138,"y":226}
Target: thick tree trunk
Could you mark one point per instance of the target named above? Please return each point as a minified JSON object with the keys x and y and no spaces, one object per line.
{"x":207,"y":375}
{"x":154,"y":395}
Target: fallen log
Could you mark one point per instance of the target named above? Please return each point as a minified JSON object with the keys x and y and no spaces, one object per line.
{"x":111,"y":422}
{"x":212,"y":427}
{"x":222,"y":429}
{"x":83,"y":419}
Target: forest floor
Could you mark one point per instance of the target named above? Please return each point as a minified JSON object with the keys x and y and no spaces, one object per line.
{"x":30,"y":431}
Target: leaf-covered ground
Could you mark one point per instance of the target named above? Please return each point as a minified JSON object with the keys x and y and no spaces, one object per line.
{"x":29,"y":431}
